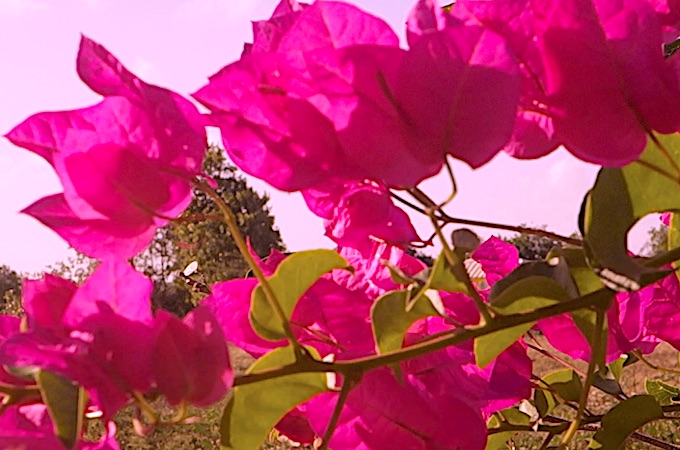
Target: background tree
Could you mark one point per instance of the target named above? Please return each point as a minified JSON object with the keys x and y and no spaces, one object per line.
{"x":657,"y":241}
{"x":10,"y":291}
{"x":201,"y":236}
{"x":531,"y":246}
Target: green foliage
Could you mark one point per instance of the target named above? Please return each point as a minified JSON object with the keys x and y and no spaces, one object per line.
{"x":66,"y":403}
{"x":556,"y":388}
{"x":664,"y":393}
{"x":254,"y":409}
{"x":619,"y":199}
{"x":623,"y":419}
{"x":291,"y":280}
{"x":391,"y":317}
{"x":657,"y":241}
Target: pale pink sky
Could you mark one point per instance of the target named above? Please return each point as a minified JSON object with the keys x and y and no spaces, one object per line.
{"x":178,"y":44}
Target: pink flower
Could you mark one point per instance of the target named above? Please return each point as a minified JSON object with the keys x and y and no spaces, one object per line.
{"x":329,"y":95}
{"x":595,"y":78}
{"x":636,"y":321}
{"x":355,"y":211}
{"x":98,"y":335}
{"x":29,"y":427}
{"x":190,"y":358}
{"x":125,"y":163}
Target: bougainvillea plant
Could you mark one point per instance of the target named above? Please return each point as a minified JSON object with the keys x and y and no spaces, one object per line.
{"x":364,"y":346}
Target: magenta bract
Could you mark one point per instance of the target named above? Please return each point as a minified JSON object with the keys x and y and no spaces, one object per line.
{"x":364,"y":102}
{"x":190,"y":358}
{"x":594,"y":75}
{"x":125,"y":163}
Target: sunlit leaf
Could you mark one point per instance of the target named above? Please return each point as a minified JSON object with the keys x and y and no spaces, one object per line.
{"x":664,"y":393}
{"x":623,"y":419}
{"x":291,"y":280}
{"x":254,"y":409}
{"x":390,"y":318}
{"x":525,"y":295}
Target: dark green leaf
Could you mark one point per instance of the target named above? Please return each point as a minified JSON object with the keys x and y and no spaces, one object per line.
{"x":618,"y":200}
{"x":291,"y":280}
{"x":565,"y":383}
{"x":607,"y":382}
{"x":65,"y":402}
{"x":254,"y":409}
{"x":496,"y":441}
{"x":623,"y":419}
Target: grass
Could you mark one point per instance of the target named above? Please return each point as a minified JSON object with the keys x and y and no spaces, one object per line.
{"x":203,"y":431}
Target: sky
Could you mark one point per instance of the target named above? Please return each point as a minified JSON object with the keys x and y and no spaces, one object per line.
{"x":179,"y":43}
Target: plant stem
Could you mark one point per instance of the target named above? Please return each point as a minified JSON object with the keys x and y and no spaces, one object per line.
{"x":347,"y":386}
{"x":498,"y":226}
{"x":600,"y":299}
{"x":588,"y":380}
{"x":230,"y":221}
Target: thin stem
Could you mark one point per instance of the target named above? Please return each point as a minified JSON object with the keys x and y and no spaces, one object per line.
{"x":347,"y":386}
{"x":454,"y":186}
{"x":147,"y":409}
{"x":230,"y":221}
{"x":497,"y":226}
{"x":588,"y":380}
{"x":651,"y":365}
{"x":658,"y":170}
{"x":518,"y":229}
{"x":454,"y":261}
{"x":600,"y":299}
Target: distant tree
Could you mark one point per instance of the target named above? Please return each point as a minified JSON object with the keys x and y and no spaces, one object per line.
{"x":531,"y":246}
{"x":10,"y":291}
{"x":657,"y":241}
{"x":416,"y":253}
{"x":77,"y":267}
{"x":207,"y":241}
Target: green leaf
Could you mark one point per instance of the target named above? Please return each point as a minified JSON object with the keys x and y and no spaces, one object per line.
{"x":65,"y":402}
{"x":527,"y":294}
{"x":618,"y":200}
{"x":674,"y":236}
{"x":254,"y":409}
{"x":557,"y":388}
{"x":291,"y":280}
{"x":617,"y":366}
{"x":585,"y":279}
{"x":510,"y":416}
{"x":448,"y":278}
{"x":664,"y":393}
{"x":496,"y":441}
{"x":565,"y":383}
{"x":606,"y":381}
{"x":393,"y":313}
{"x":623,"y":419}
{"x":390,"y":318}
